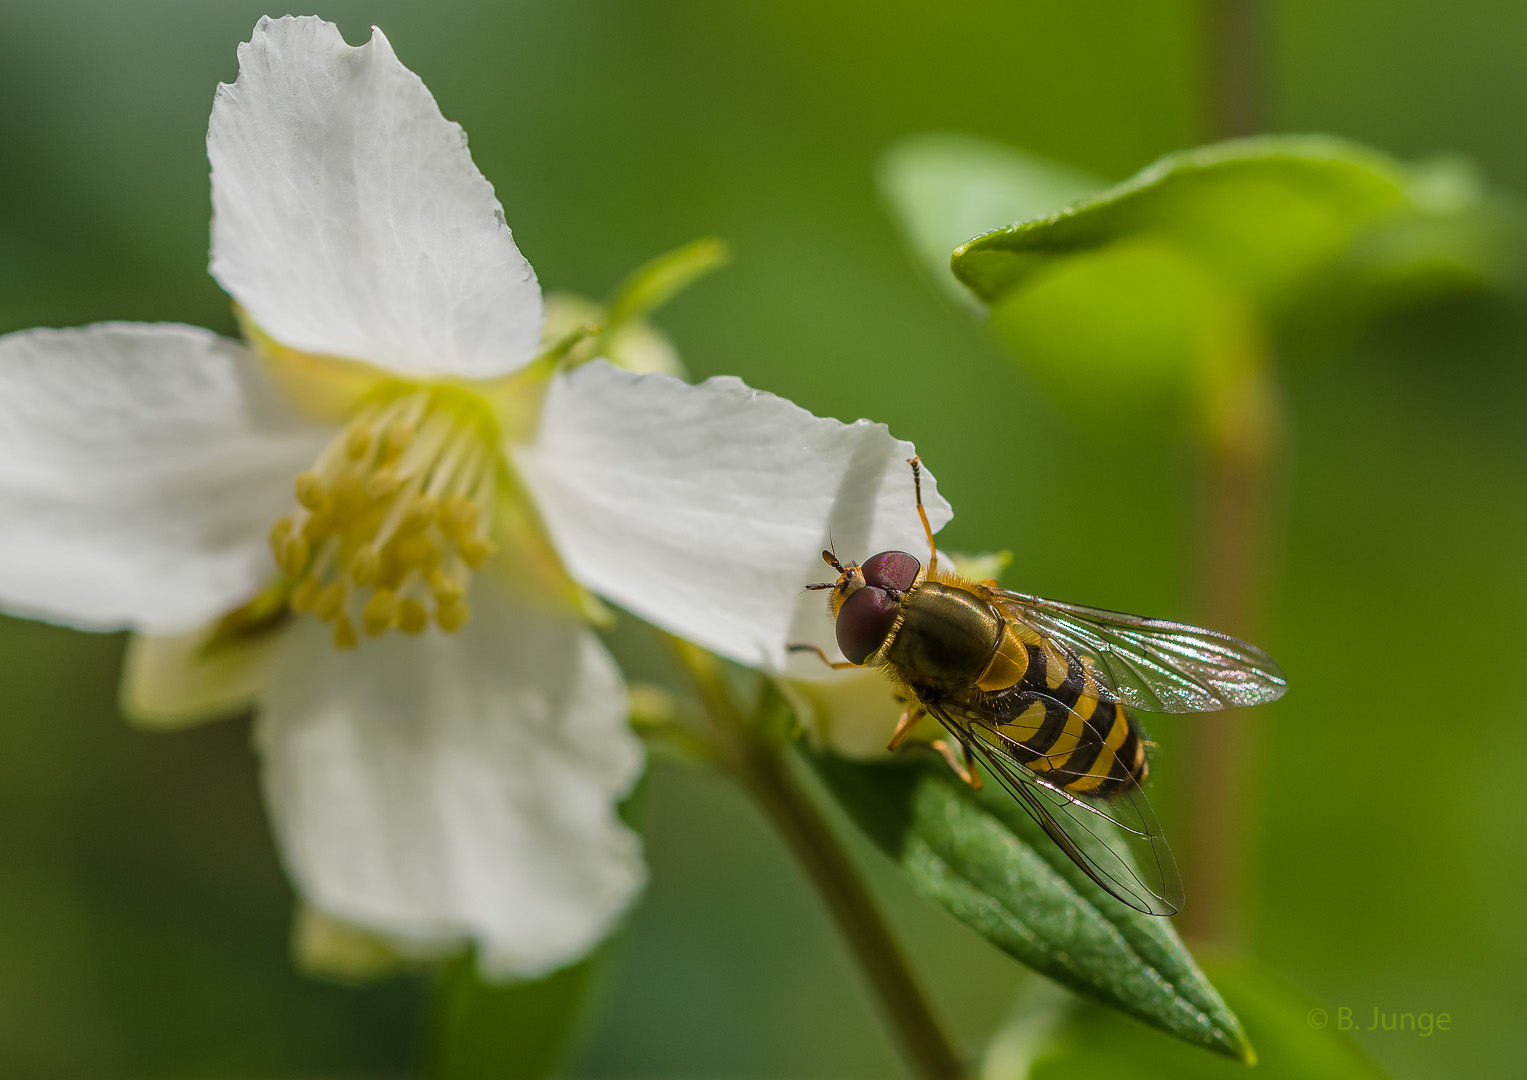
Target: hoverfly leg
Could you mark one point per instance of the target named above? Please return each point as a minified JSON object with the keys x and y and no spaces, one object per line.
{"x":960,"y":761}
{"x":836,"y":665}
{"x":917,"y":488}
{"x":909,"y":719}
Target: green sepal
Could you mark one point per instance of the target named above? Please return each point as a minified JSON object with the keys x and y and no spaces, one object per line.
{"x":512,"y":1031}
{"x":982,"y":858}
{"x":659,"y":280}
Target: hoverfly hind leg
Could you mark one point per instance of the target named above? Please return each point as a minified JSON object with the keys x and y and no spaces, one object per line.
{"x":917,"y":489}
{"x":961,"y":761}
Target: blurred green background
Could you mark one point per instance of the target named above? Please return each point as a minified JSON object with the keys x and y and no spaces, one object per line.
{"x":143,"y":916}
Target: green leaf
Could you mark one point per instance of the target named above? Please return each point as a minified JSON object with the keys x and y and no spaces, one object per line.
{"x":989,"y":864}
{"x":516,"y":1031}
{"x":1138,"y":326}
{"x":945,"y":188}
{"x":1266,"y":213}
{"x":1297,"y":1039}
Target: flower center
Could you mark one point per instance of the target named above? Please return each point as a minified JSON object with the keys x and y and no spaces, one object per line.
{"x":393,"y":516}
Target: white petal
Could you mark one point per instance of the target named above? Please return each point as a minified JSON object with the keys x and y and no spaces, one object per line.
{"x":705,"y":508}
{"x":853,"y":712}
{"x":140,"y":469}
{"x":348,"y":218}
{"x":458,"y":786}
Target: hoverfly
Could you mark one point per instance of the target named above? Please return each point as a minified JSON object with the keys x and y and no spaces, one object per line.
{"x":1041,"y":692}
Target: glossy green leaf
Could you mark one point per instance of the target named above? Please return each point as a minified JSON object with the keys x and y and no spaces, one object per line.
{"x":944,"y":188}
{"x":517,"y":1031}
{"x":1296,"y":1038}
{"x":982,"y":858}
{"x":1135,"y":326}
{"x":1266,"y":213}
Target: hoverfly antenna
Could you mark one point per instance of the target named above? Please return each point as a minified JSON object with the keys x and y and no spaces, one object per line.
{"x":832,"y":560}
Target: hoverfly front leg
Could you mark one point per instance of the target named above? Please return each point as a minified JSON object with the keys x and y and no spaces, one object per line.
{"x":836,"y":665}
{"x":917,"y":488}
{"x":960,"y":761}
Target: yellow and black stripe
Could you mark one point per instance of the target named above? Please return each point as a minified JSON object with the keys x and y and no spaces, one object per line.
{"x":1055,"y":724}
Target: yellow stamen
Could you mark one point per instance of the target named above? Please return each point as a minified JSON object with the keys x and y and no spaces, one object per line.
{"x":416,"y":551}
{"x":396,"y":439}
{"x":293,"y":556}
{"x":452,"y":614}
{"x":444,"y":586}
{"x":399,"y":502}
{"x":413,"y":617}
{"x":358,"y":443}
{"x":383,"y":482}
{"x":420,"y":515}
{"x":364,"y":565}
{"x":310,"y":492}
{"x":380,"y":611}
{"x":331,"y":599}
{"x":305,"y":596}
{"x":475,"y":550}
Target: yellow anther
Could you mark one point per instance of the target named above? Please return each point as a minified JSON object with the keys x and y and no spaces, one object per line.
{"x":416,"y":550}
{"x":364,"y":565}
{"x":475,"y":550}
{"x":330,"y":600}
{"x":452,"y":614}
{"x":320,"y":523}
{"x":293,"y":556}
{"x":412,"y":617}
{"x":344,"y":633}
{"x":383,"y":482}
{"x":358,"y":443}
{"x":444,"y":586}
{"x":305,"y":596}
{"x":279,"y":533}
{"x":310,"y":490}
{"x":395,"y":439}
{"x":421,"y":514}
{"x":395,"y":506}
{"x":380,"y":611}
{"x":349,"y":494}
{"x":458,"y":516}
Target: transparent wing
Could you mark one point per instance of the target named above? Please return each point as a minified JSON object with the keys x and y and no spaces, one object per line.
{"x":1153,"y":664}
{"x":1117,"y":842}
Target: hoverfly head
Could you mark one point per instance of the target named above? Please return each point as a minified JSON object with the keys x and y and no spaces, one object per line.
{"x":867,"y":613}
{"x":850,"y":580}
{"x":893,"y":571}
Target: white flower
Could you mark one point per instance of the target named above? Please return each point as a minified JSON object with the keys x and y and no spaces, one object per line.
{"x":443,"y":748}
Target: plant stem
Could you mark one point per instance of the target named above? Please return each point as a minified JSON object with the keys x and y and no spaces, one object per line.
{"x":1221,"y":758}
{"x":1240,"y":471}
{"x":759,"y":763}
{"x":1234,"y":68}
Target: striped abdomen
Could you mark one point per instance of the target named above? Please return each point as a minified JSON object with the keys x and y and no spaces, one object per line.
{"x":1054,"y":724}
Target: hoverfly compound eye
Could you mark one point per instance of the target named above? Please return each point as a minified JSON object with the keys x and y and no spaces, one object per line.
{"x":864,"y":621}
{"x":891,"y":570}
